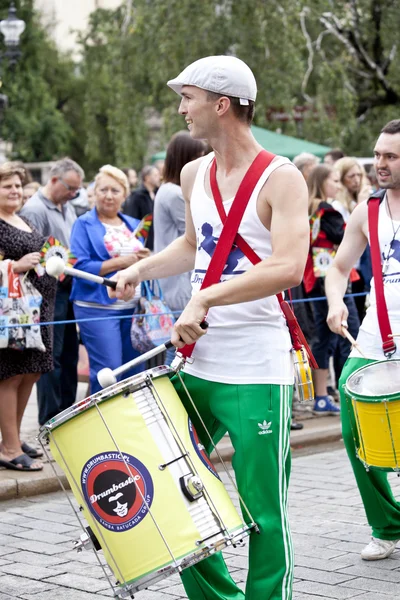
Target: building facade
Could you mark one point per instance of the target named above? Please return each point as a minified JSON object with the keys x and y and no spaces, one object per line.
{"x":65,"y":18}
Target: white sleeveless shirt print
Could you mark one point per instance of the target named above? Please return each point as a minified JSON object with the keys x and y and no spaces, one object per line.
{"x":369,"y":336}
{"x":246,"y":343}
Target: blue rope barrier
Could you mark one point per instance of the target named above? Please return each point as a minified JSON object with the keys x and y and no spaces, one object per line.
{"x":146,"y":315}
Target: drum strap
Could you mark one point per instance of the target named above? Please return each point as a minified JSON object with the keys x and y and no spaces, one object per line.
{"x":230,"y":236}
{"x":388,"y":345}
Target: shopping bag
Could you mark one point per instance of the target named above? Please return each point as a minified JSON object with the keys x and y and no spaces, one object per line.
{"x":20,"y":305}
{"x":155,"y":328}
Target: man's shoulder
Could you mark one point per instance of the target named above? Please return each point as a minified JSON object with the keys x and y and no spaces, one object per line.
{"x":35,"y":206}
{"x":35,"y":202}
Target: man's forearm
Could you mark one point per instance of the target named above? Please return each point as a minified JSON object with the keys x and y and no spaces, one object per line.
{"x":177,"y":258}
{"x":335,"y":285}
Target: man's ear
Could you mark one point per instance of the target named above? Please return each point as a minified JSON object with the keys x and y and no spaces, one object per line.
{"x":223,"y":105}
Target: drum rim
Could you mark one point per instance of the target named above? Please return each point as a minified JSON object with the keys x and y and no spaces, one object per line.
{"x":134,"y":382}
{"x":395,"y":396}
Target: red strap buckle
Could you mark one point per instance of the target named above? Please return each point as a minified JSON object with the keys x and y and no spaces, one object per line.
{"x":389,"y":348}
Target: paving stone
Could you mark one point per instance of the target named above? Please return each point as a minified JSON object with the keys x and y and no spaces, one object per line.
{"x":178,"y":590}
{"x":78,"y":582}
{"x":32,"y":546}
{"x":372,"y":570}
{"x":376,"y":596}
{"x":321,"y":576}
{"x":49,"y":526}
{"x":28,"y":571}
{"x":327,"y":591}
{"x":42,"y":536}
{"x":59,"y":593}
{"x":15,"y":586}
{"x":36,"y":559}
{"x":9,"y":528}
{"x":6,"y":551}
{"x":373,"y":585}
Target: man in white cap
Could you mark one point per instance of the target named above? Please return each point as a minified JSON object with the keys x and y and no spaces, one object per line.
{"x":241,"y":378}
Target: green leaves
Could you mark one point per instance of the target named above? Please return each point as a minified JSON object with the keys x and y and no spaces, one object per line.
{"x":337,"y":61}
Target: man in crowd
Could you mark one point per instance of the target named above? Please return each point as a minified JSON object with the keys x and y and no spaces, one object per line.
{"x":333,"y":156}
{"x":50,"y":210}
{"x":241,"y":377}
{"x":305,"y":162}
{"x":141,"y":201}
{"x":383,"y":511}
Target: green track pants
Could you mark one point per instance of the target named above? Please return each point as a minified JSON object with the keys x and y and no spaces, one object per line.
{"x":257,"y":418}
{"x":382,"y":510}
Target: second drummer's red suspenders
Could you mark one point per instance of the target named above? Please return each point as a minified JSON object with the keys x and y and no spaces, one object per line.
{"x":388,"y":345}
{"x":230,"y":236}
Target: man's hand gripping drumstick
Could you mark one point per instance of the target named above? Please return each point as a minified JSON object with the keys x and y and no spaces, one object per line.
{"x":353,"y":342}
{"x":179,"y":257}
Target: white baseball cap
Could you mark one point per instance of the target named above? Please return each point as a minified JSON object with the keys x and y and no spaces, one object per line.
{"x":221,"y":74}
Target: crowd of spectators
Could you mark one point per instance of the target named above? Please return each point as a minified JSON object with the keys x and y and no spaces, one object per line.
{"x":97,"y":222}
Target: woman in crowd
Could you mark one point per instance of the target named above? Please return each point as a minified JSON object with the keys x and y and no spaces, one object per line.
{"x":169,"y":216}
{"x":354,"y":188}
{"x":327,"y":230}
{"x":103,"y":242}
{"x":21,"y":243}
{"x":28,"y":190}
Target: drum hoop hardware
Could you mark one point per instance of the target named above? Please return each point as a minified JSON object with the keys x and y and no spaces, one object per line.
{"x":139,"y":490}
{"x":180,"y":443}
{"x":72,"y":506}
{"x":391,"y":435}
{"x":103,"y":396}
{"x":165,"y":465}
{"x":233,"y":482}
{"x":361,"y":438}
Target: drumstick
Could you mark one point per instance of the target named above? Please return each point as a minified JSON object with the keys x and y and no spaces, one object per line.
{"x":107,"y":376}
{"x":352,"y":341}
{"x":55,"y":266}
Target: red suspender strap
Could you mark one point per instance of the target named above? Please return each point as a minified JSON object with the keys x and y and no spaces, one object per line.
{"x":296,"y":334}
{"x":388,"y":345}
{"x":230,"y":223}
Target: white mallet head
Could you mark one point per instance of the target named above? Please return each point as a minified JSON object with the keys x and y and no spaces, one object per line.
{"x":106,"y":377}
{"x":55,"y":266}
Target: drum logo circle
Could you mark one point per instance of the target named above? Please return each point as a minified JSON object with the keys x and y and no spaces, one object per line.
{"x":200,"y":450}
{"x":118,"y":499}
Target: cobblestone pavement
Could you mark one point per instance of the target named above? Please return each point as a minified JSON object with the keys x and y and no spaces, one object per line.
{"x":37,"y":561}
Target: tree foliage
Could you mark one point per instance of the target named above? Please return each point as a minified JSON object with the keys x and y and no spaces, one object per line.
{"x":329,"y":66}
{"x":38,"y":88}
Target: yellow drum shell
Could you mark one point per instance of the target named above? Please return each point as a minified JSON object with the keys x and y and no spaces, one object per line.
{"x":139,"y":551}
{"x":373,"y":394}
{"x":302,"y":375}
{"x":378,"y":426}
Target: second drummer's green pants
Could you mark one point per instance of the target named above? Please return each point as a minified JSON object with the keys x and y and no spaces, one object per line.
{"x":257,"y":418}
{"x":382,"y":510}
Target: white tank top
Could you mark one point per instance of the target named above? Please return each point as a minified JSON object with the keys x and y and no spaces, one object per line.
{"x":369,"y":336}
{"x":248,"y":342}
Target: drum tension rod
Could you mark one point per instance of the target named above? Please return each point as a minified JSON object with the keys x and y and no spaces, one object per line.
{"x":165,"y":465}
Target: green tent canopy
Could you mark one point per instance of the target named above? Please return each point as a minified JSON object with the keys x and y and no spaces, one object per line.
{"x":277,"y":143}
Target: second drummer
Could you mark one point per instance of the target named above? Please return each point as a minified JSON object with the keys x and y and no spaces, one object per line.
{"x":383,"y":511}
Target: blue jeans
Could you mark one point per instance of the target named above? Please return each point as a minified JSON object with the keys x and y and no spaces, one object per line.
{"x":56,"y":390}
{"x":108,"y":343}
{"x":327,"y":343}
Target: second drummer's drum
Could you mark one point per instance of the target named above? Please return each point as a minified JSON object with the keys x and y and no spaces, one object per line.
{"x":374,"y":394}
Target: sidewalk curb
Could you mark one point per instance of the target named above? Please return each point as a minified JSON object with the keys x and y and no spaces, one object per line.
{"x":18,"y":485}
{"x":24,"y":484}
